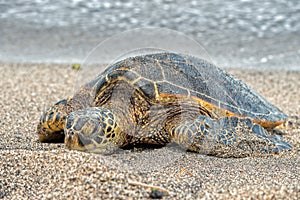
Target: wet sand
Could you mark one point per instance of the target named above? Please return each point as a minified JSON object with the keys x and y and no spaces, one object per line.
{"x":29,"y":169}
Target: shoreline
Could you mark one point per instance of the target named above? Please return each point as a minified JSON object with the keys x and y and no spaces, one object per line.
{"x":33,"y":170}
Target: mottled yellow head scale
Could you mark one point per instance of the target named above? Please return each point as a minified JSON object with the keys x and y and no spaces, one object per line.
{"x":92,"y":129}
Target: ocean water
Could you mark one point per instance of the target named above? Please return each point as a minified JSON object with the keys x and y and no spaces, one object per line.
{"x":237,"y":33}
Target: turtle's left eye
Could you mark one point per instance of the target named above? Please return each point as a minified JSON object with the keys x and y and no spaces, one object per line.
{"x":71,"y":133}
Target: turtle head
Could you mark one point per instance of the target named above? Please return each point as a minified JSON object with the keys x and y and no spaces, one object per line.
{"x":51,"y":125}
{"x":93,"y":129}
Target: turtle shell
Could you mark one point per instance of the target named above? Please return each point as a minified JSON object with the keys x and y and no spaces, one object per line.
{"x":165,"y":76}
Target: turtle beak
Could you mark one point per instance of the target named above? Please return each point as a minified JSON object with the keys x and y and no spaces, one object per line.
{"x":70,"y":139}
{"x":78,"y":141}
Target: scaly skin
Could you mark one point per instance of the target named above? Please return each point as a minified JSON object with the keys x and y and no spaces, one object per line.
{"x":227,"y":137}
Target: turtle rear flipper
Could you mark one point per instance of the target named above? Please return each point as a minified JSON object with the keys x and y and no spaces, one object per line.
{"x":227,"y":137}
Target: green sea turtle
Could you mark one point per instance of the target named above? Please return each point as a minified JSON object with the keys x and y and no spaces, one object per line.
{"x":160,"y":98}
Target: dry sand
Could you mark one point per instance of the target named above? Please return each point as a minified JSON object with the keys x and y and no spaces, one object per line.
{"x":32,"y":170}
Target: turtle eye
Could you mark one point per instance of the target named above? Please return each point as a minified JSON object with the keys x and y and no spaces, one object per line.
{"x":71,"y":133}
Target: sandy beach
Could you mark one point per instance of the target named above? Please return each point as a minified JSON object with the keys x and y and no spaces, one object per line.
{"x":31,"y":170}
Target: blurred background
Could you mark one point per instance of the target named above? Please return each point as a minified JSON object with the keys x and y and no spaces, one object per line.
{"x":238,"y":34}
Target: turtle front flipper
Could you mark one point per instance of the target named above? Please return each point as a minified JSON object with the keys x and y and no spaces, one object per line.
{"x":227,"y":137}
{"x":93,"y":129}
{"x":51,"y":125}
